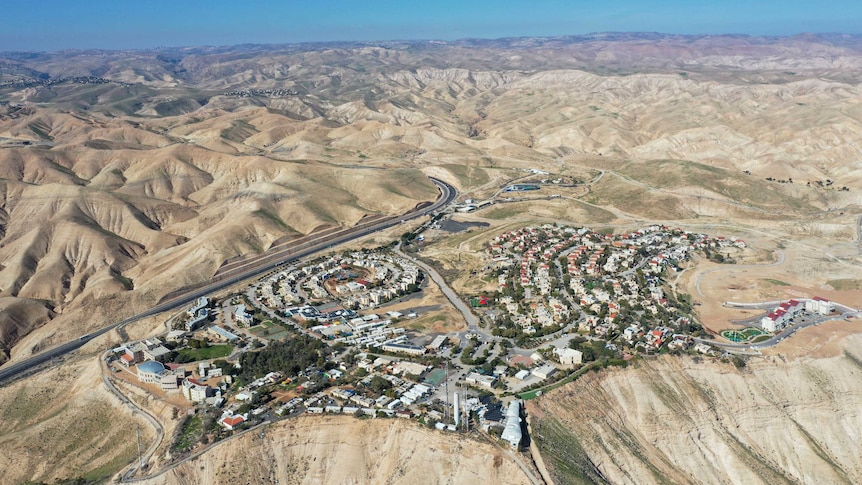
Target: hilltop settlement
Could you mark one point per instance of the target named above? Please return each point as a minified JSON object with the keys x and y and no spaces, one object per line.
{"x":319,"y":337}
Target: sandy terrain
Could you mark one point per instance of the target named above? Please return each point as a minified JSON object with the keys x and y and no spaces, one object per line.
{"x":155,"y":184}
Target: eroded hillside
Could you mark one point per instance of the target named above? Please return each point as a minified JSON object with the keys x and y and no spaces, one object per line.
{"x":342,"y":450}
{"x":64,"y":423}
{"x":678,"y":420}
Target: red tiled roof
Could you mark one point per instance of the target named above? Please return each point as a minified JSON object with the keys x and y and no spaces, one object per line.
{"x":233,"y":420}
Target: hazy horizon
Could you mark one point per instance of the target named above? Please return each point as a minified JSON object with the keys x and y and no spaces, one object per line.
{"x":101,"y":24}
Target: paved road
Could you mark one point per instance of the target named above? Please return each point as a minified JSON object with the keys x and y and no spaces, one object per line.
{"x":774,"y":340}
{"x":160,"y":431}
{"x":10,"y":372}
{"x":471,"y":319}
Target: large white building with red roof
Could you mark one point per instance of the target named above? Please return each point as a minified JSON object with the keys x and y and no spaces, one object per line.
{"x":782,"y":314}
{"x":819,"y":305}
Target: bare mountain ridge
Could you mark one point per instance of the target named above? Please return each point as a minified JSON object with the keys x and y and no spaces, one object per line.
{"x":239,"y":66}
{"x":101,"y":212}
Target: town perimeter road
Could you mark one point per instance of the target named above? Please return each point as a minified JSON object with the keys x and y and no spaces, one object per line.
{"x":471,"y":319}
{"x":160,"y":430}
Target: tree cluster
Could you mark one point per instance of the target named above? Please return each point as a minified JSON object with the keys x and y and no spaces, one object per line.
{"x":288,"y":356}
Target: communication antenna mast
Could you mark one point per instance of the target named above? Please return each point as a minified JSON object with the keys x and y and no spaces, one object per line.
{"x":466,"y":409}
{"x":446,"y":414}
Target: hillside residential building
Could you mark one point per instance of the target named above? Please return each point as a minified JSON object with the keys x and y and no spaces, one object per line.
{"x":569,"y":356}
{"x":403,"y":348}
{"x":230,"y":422}
{"x":222,"y":334}
{"x":480,"y":380}
{"x":819,"y":305}
{"x":544,"y":371}
{"x":240,"y":315}
{"x":194,"y":391}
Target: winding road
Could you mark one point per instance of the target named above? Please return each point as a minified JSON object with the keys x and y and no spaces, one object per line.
{"x":471,"y":319}
{"x":775,"y":339}
{"x":266,"y":262}
{"x":160,"y":430}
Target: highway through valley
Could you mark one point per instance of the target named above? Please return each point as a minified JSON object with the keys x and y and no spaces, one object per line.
{"x":249,"y":269}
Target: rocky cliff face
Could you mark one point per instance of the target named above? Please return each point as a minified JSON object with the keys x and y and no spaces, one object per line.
{"x":675,"y":420}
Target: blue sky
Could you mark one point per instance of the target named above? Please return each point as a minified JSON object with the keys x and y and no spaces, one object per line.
{"x":121,"y":24}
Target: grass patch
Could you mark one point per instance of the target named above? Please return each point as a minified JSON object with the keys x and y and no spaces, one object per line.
{"x":761,"y":338}
{"x":845,"y":284}
{"x":103,"y":473}
{"x":190,"y":433}
{"x":269,"y":216}
{"x":505,"y":212}
{"x":212,"y":352}
{"x":562,"y":451}
{"x":176,"y":107}
{"x":41,"y":130}
{"x":751,"y":332}
{"x":632,"y":198}
{"x":468,"y":176}
{"x":775,"y":282}
{"x":279,"y":335}
{"x":425,"y":322}
{"x":553,"y":210}
{"x":743,"y":335}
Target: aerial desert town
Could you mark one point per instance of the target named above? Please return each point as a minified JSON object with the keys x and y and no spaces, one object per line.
{"x":519,"y":244}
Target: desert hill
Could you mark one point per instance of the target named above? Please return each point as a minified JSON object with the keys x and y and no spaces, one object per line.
{"x":779,"y":420}
{"x":64,"y":423}
{"x":346,"y":450}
